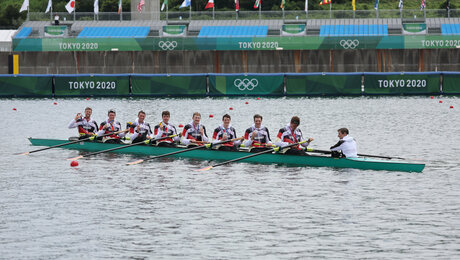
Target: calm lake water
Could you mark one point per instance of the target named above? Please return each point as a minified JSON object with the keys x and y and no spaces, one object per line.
{"x":165,"y":210}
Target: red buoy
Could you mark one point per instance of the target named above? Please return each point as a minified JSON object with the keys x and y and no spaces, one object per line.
{"x":451,"y":106}
{"x":87,"y":98}
{"x":14,"y":109}
{"x":74,"y":163}
{"x":247,"y":102}
{"x":231,"y":108}
{"x":211,"y":115}
{"x":181,"y":125}
{"x":431,"y":97}
{"x":258,"y":98}
{"x":55,"y":103}
{"x":440,"y":101}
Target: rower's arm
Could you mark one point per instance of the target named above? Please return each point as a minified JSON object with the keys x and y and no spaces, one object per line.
{"x":73,"y":124}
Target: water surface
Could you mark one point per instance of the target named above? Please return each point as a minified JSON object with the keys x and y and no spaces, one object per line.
{"x":165,"y":210}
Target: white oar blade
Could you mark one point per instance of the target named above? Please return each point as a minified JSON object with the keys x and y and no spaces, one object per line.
{"x":26,"y":153}
{"x":75,"y":158}
{"x":135,"y":162}
{"x":204,"y":169}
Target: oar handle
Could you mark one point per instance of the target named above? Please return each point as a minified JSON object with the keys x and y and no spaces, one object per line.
{"x":126,"y":146}
{"x":275,"y":149}
{"x":208,"y":145}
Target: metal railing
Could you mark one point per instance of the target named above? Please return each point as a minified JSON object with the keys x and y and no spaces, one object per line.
{"x":248,"y":15}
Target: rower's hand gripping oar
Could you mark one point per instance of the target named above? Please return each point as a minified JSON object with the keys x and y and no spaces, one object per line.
{"x":73,"y":142}
{"x":122,"y":147}
{"x":185,"y":150}
{"x":249,"y":156}
{"x":359,"y":154}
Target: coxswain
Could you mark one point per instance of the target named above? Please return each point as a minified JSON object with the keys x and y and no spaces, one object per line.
{"x":87,"y":127}
{"x":291,"y":134}
{"x":142,"y":130}
{"x":346,"y":147}
{"x":225,"y":132}
{"x":194,"y":133}
{"x":111,"y":126}
{"x":257,"y":137}
{"x":163,"y":129}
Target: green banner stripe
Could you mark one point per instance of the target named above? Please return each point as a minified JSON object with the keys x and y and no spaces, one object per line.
{"x":450,"y":83}
{"x":238,"y":85}
{"x":236,"y":43}
{"x":91,"y":86}
{"x":426,"y":83}
{"x":169,"y":85}
{"x":26,"y":86}
{"x":323,"y":84}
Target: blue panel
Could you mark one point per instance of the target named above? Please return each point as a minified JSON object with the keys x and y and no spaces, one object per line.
{"x":448,"y":31}
{"x":346,"y":30}
{"x":24,"y":33}
{"x":457,"y":28}
{"x":385,"y":29}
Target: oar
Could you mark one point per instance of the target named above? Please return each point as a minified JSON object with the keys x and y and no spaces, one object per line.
{"x":359,"y":154}
{"x":122,"y":147}
{"x":73,"y":142}
{"x":183,"y":151}
{"x":248,"y":156}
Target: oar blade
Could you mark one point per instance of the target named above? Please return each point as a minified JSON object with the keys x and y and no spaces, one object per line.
{"x":75,"y":158}
{"x":135,"y":162}
{"x":204,"y":169}
{"x":26,"y":153}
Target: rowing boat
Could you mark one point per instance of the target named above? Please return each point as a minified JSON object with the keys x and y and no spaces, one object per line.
{"x":270,"y":158}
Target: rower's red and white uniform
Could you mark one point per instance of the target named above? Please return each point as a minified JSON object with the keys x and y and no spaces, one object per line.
{"x":286,"y":136}
{"x":221,"y":131}
{"x":192,"y":132}
{"x":113,"y":126}
{"x":143,"y":133}
{"x":347,"y":145}
{"x":85,"y":125}
{"x":163,"y":130}
{"x":260,"y":140}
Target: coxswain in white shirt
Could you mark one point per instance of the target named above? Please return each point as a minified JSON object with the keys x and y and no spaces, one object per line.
{"x":111,"y":126}
{"x":142,"y":130}
{"x":225,"y":132}
{"x":257,"y":137}
{"x":194,"y":133}
{"x":346,"y":147}
{"x":163,"y":129}
{"x":87,"y":127}
{"x":291,"y":134}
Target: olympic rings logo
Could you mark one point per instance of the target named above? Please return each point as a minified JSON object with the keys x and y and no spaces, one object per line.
{"x":244,"y":84}
{"x":349,"y":44}
{"x":167,"y":45}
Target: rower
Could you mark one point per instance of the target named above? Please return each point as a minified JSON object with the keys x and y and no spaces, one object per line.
{"x":225,"y":132}
{"x":163,"y":129}
{"x":111,"y":126}
{"x":142,"y":130}
{"x":291,"y":134}
{"x":257,"y":137}
{"x":346,"y":147}
{"x":194,"y":133}
{"x":86,"y":125}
